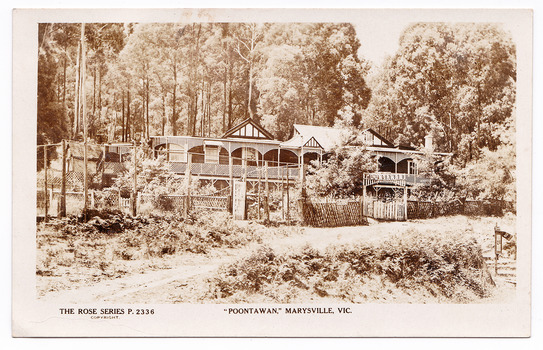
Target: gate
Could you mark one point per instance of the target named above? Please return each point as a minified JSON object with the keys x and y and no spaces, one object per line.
{"x":381,"y":210}
{"x":240,"y":200}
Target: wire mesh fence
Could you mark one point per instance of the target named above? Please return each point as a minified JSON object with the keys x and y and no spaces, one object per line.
{"x":113,"y":200}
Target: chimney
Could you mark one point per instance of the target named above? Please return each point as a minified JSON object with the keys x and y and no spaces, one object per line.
{"x":429,"y":143}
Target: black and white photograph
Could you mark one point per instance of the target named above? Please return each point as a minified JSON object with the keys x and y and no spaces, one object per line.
{"x":264,"y":165}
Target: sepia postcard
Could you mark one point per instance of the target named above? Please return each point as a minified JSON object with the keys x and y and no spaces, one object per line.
{"x":272,"y":173}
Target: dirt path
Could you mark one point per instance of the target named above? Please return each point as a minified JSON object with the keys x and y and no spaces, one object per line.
{"x":190,"y":271}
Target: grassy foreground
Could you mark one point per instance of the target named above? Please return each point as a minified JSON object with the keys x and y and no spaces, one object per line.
{"x":71,"y":253}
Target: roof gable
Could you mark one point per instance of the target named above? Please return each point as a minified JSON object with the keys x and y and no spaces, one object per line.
{"x":372,"y":138}
{"x":248,"y":129}
{"x":312,"y":143}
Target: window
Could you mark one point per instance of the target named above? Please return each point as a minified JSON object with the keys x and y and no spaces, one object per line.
{"x":177,"y":153}
{"x":411,"y":167}
{"x":211,"y":154}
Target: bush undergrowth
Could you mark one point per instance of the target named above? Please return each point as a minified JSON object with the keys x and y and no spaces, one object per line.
{"x":409,"y":268}
{"x":107,"y":239}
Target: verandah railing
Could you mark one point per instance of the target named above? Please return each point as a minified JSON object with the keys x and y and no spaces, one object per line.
{"x":289,"y":171}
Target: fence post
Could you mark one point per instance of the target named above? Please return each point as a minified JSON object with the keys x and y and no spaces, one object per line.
{"x":45,"y":182}
{"x":405,"y":201}
{"x":85,"y":173}
{"x":92,"y":199}
{"x":189,"y":178}
{"x":134,"y":182}
{"x":229,"y":204}
{"x":120,"y":201}
{"x":62,"y":212}
{"x":51,"y":199}
{"x":361,"y":201}
{"x":282,"y":194}
{"x":288,"y":197}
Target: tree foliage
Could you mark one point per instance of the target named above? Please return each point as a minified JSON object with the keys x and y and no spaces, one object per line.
{"x":198,"y":79}
{"x":312,"y":75}
{"x":493,"y":176}
{"x":455,"y":81}
{"x":341,"y":174}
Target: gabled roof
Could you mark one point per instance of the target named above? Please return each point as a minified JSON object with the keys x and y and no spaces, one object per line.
{"x":381,"y":140}
{"x":248,"y":129}
{"x":325,"y":137}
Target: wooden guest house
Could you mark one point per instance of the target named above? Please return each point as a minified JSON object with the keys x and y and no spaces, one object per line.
{"x":248,"y":151}
{"x":245,"y":151}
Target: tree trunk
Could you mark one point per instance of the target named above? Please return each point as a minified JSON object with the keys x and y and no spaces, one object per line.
{"x":64,"y":87}
{"x":174,"y":111}
{"x":94,"y":93}
{"x":99,"y":115}
{"x":209,"y":109}
{"x":129,"y":121}
{"x":143,"y":101}
{"x":250,"y":110}
{"x":163,"y":113}
{"x":147,"y":107}
{"x":77,"y":94}
{"x":224,"y":104}
{"x":123,"y":134}
{"x":204,"y":107}
{"x":230,"y":106}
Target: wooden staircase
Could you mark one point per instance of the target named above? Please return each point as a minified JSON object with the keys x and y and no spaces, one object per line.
{"x":506,"y":269}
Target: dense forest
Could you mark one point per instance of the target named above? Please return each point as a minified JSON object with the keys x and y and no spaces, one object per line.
{"x":197,"y":79}
{"x":454,"y":81}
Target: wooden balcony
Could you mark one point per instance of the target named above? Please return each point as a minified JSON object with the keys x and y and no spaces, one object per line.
{"x":292,"y":171}
{"x":394,"y":179}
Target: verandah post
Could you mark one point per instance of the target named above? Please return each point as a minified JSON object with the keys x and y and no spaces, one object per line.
{"x":231,"y":176}
{"x":267,"y":197}
{"x":259,"y":181}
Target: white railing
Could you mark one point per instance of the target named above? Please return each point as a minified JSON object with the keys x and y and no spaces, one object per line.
{"x":394,"y":178}
{"x":223,"y":170}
